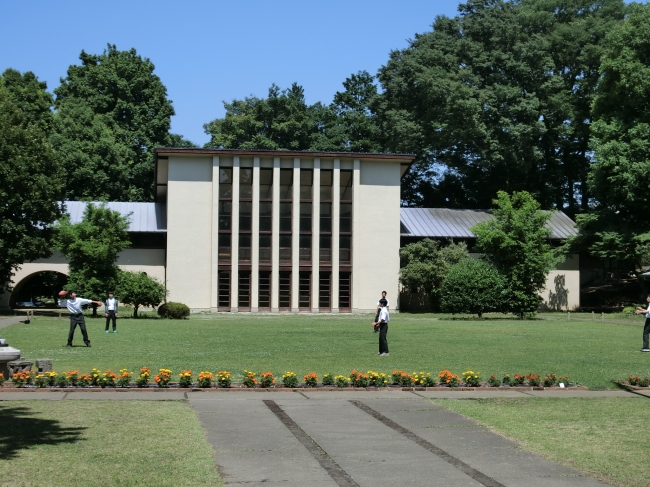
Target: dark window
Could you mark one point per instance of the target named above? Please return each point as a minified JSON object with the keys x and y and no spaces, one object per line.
{"x":225,"y":214}
{"x":245,"y":247}
{"x":326,"y":217}
{"x":286,"y":184}
{"x":245,"y":183}
{"x":344,"y":248}
{"x":285,"y":217}
{"x":324,"y":291}
{"x":284,"y":301}
{"x":266,"y":216}
{"x":265,"y":247}
{"x":285,"y":248}
{"x":326,"y":185}
{"x":225,"y":183}
{"x":346,"y":218}
{"x":245,"y":216}
{"x":266,"y":184}
{"x":325,"y":248}
{"x":305,"y":248}
{"x":304,"y":291}
{"x":224,"y":246}
{"x":345,"y":291}
{"x":264,"y":302}
{"x":224,"y":290}
{"x":244,"y":291}
{"x":346,"y":186}
{"x":305,"y":216}
{"x":306,"y":183}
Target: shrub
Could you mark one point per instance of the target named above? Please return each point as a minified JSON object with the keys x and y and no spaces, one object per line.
{"x":95,"y":376}
{"x":85,"y":380}
{"x":534,"y":380}
{"x":507,"y":380}
{"x":397,"y":376}
{"x":163,"y":377}
{"x":174,"y":311}
{"x":224,"y":379}
{"x":358,"y":379}
{"x":493,"y":381}
{"x":62,"y":380}
{"x":250,"y":379}
{"x":290,"y":379}
{"x":185,"y":378}
{"x":107,"y":379}
{"x":328,"y":380}
{"x":51,"y":378}
{"x":446,"y":377}
{"x":341,"y":381}
{"x":40,"y":380}
{"x":72,"y":376}
{"x":406,"y":380}
{"x":138,"y":289}
{"x":267,"y":379}
{"x":550,"y":380}
{"x":472,"y":379}
{"x":124,"y":379}
{"x":377,"y":379}
{"x":21,"y":379}
{"x":520,"y":379}
{"x":143,"y":379}
{"x":473,"y":286}
{"x":205,"y":379}
{"x":311,"y":379}
{"x":423,"y":379}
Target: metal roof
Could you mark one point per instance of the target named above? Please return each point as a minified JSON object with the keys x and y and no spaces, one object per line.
{"x":145,"y":217}
{"x":450,"y":223}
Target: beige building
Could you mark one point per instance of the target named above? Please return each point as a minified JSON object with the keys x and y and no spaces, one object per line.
{"x":277,"y":231}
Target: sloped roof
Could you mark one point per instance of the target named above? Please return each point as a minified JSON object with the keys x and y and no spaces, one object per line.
{"x":145,"y":217}
{"x":450,"y":223}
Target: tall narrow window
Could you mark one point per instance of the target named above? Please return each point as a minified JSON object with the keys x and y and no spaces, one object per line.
{"x":266,"y":214}
{"x":286,"y":206}
{"x":264,"y":301}
{"x":304,"y":291}
{"x":223,"y":291}
{"x":306,"y":210}
{"x":324,"y":291}
{"x":225,"y":216}
{"x":345,"y":292}
{"x":245,"y":214}
{"x":345,"y":218}
{"x":244,"y":291}
{"x":326,"y":180}
{"x":284,"y":301}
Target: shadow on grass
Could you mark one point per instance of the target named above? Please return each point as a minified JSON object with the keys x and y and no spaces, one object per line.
{"x":22,"y":430}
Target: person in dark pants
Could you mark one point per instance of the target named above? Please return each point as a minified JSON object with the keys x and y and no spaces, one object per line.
{"x":646,"y":327}
{"x":74,"y":305}
{"x":382,"y":321}
{"x":110,"y":305}
{"x":383,"y":296}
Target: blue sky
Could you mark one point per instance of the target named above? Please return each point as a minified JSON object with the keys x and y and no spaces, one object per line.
{"x":209,"y":51}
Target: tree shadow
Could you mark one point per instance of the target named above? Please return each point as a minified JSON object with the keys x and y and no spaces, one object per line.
{"x":560,"y":298}
{"x":21,"y":430}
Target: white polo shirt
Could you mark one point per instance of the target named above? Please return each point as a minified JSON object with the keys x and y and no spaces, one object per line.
{"x":74,"y":305}
{"x":383,"y":315}
{"x":387,"y":302}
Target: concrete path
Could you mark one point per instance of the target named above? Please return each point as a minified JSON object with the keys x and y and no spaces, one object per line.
{"x":355,"y":438}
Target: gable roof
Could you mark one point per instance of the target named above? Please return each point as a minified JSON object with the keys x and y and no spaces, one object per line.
{"x":145,"y":217}
{"x":451,"y":223}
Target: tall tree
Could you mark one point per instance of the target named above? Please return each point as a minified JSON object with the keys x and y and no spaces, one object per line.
{"x":92,"y":247}
{"x":31,"y":181}
{"x":617,"y":226}
{"x":30,"y":96}
{"x":517,"y":243}
{"x":112,"y":104}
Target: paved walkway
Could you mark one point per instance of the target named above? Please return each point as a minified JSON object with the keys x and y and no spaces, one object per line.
{"x":356,"y":438}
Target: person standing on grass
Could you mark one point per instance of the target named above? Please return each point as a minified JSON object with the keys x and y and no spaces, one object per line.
{"x":646,"y":327}
{"x":382,"y":321}
{"x":383,"y":296}
{"x":74,"y":305}
{"x":111,"y":311}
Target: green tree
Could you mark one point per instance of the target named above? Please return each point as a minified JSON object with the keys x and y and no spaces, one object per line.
{"x":474,"y":286}
{"x":617,"y":227}
{"x":31,"y":181}
{"x":30,"y":96}
{"x":138,"y":289}
{"x":92,"y":247}
{"x":517,"y":243}
{"x":115,"y":96}
{"x":425,"y":264}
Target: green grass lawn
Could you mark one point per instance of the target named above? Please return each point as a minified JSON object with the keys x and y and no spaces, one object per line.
{"x":592,"y":353}
{"x":603,"y":437}
{"x":103,"y":443}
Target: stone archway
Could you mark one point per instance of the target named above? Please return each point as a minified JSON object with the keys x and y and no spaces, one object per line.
{"x":41,"y":286}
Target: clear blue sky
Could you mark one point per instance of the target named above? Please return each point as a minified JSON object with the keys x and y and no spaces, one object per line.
{"x":209,"y":51}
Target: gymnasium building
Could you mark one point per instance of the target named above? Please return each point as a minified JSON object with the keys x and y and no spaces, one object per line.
{"x":281,"y":231}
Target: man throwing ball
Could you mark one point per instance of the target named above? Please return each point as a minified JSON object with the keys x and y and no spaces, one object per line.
{"x":74,"y":304}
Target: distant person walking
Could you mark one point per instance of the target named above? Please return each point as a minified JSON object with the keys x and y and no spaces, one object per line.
{"x":74,"y":305}
{"x":646,"y":327}
{"x":383,"y":296}
{"x":110,"y":305}
{"x":382,"y":322}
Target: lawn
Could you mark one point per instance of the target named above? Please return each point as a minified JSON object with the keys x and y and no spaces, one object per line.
{"x":590,"y":352}
{"x":103,"y":443}
{"x":602,"y":437}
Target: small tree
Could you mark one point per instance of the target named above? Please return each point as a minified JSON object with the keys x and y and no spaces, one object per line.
{"x":474,"y":286}
{"x":517,"y":242}
{"x":92,"y":246}
{"x":425,"y":265}
{"x":138,"y":289}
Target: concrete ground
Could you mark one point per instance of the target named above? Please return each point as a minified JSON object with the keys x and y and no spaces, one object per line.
{"x":356,"y":438}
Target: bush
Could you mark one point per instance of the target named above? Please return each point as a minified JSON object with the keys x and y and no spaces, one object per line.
{"x":474,"y":286}
{"x":175,"y":311}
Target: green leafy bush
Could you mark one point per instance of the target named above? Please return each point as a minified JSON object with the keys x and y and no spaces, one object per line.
{"x":474,"y":286}
{"x":175,"y":311}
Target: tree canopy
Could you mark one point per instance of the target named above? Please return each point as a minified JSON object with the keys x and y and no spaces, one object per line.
{"x":138,"y":289}
{"x":31,"y":175}
{"x":112,"y":111}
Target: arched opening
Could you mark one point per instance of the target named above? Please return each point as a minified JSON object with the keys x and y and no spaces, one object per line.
{"x":38,"y":290}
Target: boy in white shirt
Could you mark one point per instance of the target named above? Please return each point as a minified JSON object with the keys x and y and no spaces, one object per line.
{"x":110,"y":311}
{"x":382,"y":322}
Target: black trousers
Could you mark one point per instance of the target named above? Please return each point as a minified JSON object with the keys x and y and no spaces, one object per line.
{"x":383,"y":343}
{"x":646,"y":332}
{"x":111,"y":316}
{"x":77,"y":319}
